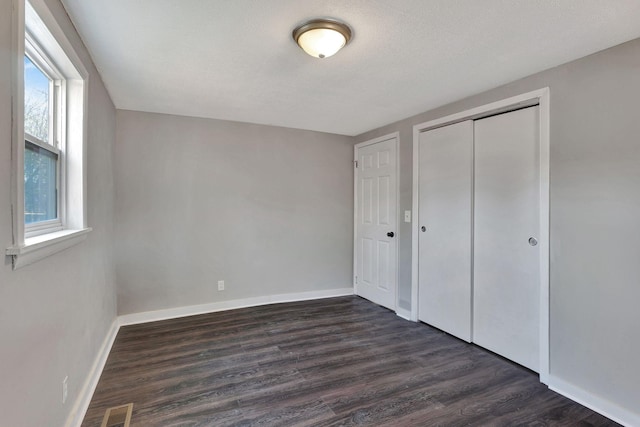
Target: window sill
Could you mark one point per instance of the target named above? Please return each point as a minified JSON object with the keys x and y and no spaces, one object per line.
{"x":38,"y":247}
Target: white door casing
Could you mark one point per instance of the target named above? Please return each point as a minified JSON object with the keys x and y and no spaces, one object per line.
{"x":375,"y":232}
{"x":506,"y":277}
{"x":445,"y":214}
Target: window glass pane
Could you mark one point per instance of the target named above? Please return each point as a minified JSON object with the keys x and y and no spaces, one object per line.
{"x":40,"y":175}
{"x":36,"y":101}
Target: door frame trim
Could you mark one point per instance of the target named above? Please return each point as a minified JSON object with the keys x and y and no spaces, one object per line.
{"x":540,"y":97}
{"x":396,"y":136}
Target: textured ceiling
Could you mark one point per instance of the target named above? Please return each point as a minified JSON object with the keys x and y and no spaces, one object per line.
{"x":236,"y":60}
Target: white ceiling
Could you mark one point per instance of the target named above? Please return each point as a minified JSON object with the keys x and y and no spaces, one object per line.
{"x":236,"y":60}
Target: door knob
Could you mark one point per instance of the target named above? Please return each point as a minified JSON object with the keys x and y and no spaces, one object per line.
{"x":390,"y":234}
{"x":533,"y":241}
{"x":423,"y":228}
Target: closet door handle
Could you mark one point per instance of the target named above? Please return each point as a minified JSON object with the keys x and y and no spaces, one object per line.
{"x":533,"y":241}
{"x":390,"y":234}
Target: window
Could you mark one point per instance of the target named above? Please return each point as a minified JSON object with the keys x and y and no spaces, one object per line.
{"x":40,"y":184}
{"x":49,"y":92}
{"x":37,"y":94}
{"x":42,"y":151}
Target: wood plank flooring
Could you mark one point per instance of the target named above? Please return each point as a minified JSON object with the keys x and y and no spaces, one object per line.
{"x":331,"y":362}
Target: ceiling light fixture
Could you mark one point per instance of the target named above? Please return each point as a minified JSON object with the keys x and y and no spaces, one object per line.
{"x":322,"y":38}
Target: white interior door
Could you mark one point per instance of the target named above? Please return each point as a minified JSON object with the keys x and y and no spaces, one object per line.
{"x":376,"y":219}
{"x":506,"y":217}
{"x":445,"y":215}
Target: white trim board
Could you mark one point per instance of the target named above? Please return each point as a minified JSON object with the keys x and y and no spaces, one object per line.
{"x":74,"y":419}
{"x":192,"y":310}
{"x":403,"y":313}
{"x":539,"y":97}
{"x":596,"y":403}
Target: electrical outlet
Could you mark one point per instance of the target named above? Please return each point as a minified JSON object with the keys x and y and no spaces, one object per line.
{"x":407,"y":216}
{"x":65,"y":382}
{"x":221,"y":285}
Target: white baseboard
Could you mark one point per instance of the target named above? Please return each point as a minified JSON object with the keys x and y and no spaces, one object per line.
{"x":405,"y":314}
{"x":86,"y":393}
{"x":605,"y":407}
{"x":173,"y":313}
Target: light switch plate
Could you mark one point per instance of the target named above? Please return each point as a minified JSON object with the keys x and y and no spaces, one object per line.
{"x":407,"y":216}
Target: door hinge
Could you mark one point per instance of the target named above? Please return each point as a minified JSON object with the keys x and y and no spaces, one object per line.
{"x":355,"y":162}
{"x":356,"y":280}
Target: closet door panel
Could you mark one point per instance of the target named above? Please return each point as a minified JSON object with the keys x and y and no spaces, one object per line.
{"x":506,"y":215}
{"x":445,"y":194}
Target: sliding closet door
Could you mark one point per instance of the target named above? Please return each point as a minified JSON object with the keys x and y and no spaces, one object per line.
{"x":445,"y":193}
{"x":506,"y":223}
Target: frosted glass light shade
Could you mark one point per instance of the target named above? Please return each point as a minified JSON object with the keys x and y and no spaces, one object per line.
{"x":322,"y":42}
{"x":322,"y":38}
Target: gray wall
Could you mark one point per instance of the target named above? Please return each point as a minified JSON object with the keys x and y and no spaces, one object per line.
{"x":595,"y":206}
{"x":267,"y":209}
{"x":55,"y":314}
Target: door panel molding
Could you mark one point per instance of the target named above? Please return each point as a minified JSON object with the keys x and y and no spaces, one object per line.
{"x":394,"y":222}
{"x":540,"y":97}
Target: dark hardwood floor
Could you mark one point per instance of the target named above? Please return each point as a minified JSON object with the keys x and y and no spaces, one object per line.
{"x":338,"y":361}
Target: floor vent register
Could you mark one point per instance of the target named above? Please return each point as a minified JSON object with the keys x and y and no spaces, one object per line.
{"x":118,"y":416}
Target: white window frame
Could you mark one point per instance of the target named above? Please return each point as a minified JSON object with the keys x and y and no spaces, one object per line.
{"x":37,"y":34}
